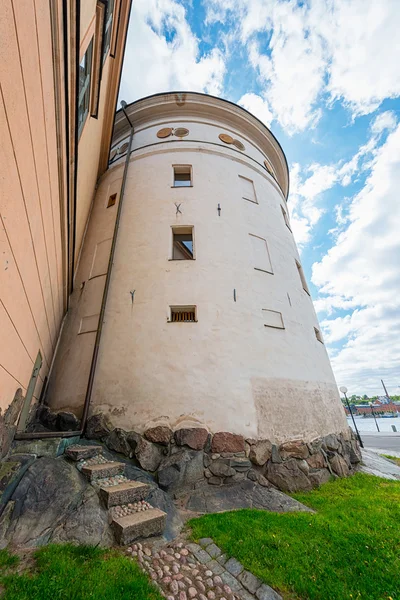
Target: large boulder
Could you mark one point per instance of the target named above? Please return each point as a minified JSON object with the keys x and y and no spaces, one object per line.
{"x":221,"y":469}
{"x":8,"y":422}
{"x":67,"y":421}
{"x":148,"y":455}
{"x":98,"y":427}
{"x":294,"y":449}
{"x":339,"y":466}
{"x":49,"y":496}
{"x":287,"y":476}
{"x":260,"y":452}
{"x":159,"y":435}
{"x":11,"y":473}
{"x":316,"y":461}
{"x":331,"y":442}
{"x":319,"y":476}
{"x":180,"y":470}
{"x":194,"y":437}
{"x":224,"y":441}
{"x":118,"y":440}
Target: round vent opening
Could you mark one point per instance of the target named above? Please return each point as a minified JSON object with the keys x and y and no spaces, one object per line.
{"x":113,"y":154}
{"x":227,"y":139}
{"x":123,"y":148}
{"x":181,"y":132}
{"x":164,"y":132}
{"x":238,"y":145}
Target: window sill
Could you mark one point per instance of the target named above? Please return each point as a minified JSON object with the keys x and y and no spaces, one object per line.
{"x":181,"y":187}
{"x":263,"y":270}
{"x":181,"y":259}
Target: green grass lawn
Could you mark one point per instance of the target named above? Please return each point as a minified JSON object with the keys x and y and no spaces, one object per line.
{"x":75,"y":573}
{"x":349,"y":549}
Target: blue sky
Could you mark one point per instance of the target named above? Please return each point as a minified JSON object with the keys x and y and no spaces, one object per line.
{"x":324,"y":76}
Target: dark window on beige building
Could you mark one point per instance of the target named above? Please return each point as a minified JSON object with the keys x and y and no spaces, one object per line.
{"x":108,"y":28}
{"x":182,"y":176}
{"x":302,"y":277}
{"x":318,"y":335}
{"x":286,"y":218}
{"x":183,"y":314}
{"x":85,"y":72}
{"x":182,"y":243}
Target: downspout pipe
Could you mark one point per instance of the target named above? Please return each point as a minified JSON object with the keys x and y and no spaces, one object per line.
{"x":89,"y":389}
{"x":108,"y":278}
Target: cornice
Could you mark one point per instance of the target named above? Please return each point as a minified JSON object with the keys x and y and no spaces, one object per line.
{"x":175,"y":105}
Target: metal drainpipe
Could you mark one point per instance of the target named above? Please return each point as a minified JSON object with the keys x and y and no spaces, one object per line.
{"x":65,"y":434}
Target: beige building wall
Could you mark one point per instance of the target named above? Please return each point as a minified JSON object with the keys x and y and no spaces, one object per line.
{"x":31,"y":274}
{"x":39,"y":227}
{"x":252,"y":363}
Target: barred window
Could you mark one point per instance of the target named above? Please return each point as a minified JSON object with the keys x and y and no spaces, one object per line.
{"x":183,"y":314}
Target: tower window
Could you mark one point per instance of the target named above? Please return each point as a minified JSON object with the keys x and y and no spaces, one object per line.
{"x":318,"y":335}
{"x":85,"y":72}
{"x":248,"y":191}
{"x":302,"y":277}
{"x":108,"y":28}
{"x":182,"y":176}
{"x":273,"y":318}
{"x":182,"y":243}
{"x":261,"y":257}
{"x":286,"y":218}
{"x":183,"y":314}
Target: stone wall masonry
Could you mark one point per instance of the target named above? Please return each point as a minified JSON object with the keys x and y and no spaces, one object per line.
{"x":184,"y":459}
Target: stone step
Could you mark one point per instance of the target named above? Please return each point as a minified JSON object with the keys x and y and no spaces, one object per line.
{"x":123,"y":493}
{"x":103,"y":470}
{"x":77,"y":452}
{"x":138,"y":525}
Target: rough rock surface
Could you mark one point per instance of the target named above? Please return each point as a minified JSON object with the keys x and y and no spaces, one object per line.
{"x":224,"y":441}
{"x":67,"y":421}
{"x":159,"y":435}
{"x":194,"y":437}
{"x":245,"y":494}
{"x":118,"y":441}
{"x":53,"y":502}
{"x":288,"y":476}
{"x":316,"y":461}
{"x":149,"y":455}
{"x":339,"y":466}
{"x":51,"y":495}
{"x":98,"y":427}
{"x":180,"y":470}
{"x":260,"y":452}
{"x":8,"y":422}
{"x":294,"y":449}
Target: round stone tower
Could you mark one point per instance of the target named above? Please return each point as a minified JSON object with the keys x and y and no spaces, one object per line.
{"x":209,"y":321}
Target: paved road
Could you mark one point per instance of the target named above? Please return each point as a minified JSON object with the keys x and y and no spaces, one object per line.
{"x":376,"y":465}
{"x":383,"y":441}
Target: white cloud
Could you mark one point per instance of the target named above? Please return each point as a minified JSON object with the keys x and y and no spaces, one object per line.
{"x":257,"y":106}
{"x":332,"y":49}
{"x":162,"y":53}
{"x":306,"y":200}
{"x":385,"y":120}
{"x":362,"y":270}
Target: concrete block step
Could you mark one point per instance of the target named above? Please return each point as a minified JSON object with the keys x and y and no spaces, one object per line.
{"x":123,"y":493}
{"x":77,"y":452}
{"x":139,"y":525}
{"x":103,"y":470}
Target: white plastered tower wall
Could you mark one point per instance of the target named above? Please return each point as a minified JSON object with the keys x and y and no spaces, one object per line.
{"x":251,"y":364}
{"x":229,"y":371}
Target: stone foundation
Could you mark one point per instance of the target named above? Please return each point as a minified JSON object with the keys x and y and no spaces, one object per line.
{"x":189,"y":457}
